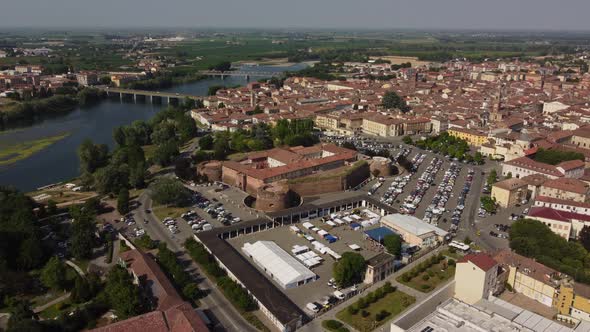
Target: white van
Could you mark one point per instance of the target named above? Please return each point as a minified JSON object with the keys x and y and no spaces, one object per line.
{"x":313,"y":307}
{"x":339,"y":295}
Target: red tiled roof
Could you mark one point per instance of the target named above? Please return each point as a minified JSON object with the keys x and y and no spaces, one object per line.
{"x":567,"y":184}
{"x":536,"y":166}
{"x":549,"y":213}
{"x":481,"y":260}
{"x":552,"y":200}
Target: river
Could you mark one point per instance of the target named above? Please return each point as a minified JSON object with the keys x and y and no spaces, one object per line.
{"x":59,"y":161}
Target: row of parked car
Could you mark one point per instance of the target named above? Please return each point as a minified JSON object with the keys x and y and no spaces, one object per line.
{"x":171,"y":224}
{"x":326,"y":302}
{"x":444,"y":192}
{"x":215,"y":209}
{"x":424,"y":182}
{"x":456,"y":218}
{"x":196,"y":223}
{"x":395,"y":189}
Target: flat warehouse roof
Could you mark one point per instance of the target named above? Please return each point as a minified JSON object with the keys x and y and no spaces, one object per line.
{"x":257,"y":284}
{"x":277,"y":262}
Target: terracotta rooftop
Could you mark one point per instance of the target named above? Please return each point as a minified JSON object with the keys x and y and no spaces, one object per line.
{"x":525,"y":162}
{"x":525,"y":265}
{"x":567,"y":184}
{"x":553,"y":200}
{"x":549,"y":213}
{"x":510,"y":184}
{"x":481,"y":260}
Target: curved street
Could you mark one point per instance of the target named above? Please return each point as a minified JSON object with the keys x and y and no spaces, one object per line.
{"x":215,"y":301}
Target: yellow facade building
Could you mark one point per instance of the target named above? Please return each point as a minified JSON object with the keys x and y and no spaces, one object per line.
{"x":509,"y":192}
{"x":530,"y":278}
{"x":573,"y":302}
{"x":473,"y":137}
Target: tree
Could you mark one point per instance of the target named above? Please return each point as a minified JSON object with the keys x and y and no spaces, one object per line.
{"x":221,"y":66}
{"x":183,"y":169}
{"x":407,"y":140}
{"x":206,"y":142}
{"x":112,"y":178}
{"x":492,"y":177}
{"x":123,"y":201}
{"x":169,"y":192}
{"x":584,"y":237}
{"x":83,"y":229}
{"x":53,"y":274}
{"x":392,"y":100}
{"x":30,"y":253}
{"x":22,"y":317}
{"x":213,"y":90}
{"x":478,"y":158}
{"x":165,"y":153}
{"x":92,"y":156}
{"x":81,"y":291}
{"x":192,"y":291}
{"x":488,"y":204}
{"x":393,"y":244}
{"x":122,"y":294}
{"x":350,"y":269}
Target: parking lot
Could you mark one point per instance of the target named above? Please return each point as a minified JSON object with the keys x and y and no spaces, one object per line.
{"x":287,"y":238}
{"x":461,"y":208}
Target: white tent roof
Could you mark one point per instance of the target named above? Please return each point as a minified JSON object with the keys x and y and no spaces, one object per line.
{"x":411,"y":224}
{"x":277,"y":262}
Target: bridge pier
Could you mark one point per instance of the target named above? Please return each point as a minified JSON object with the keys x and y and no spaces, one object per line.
{"x":135,"y":97}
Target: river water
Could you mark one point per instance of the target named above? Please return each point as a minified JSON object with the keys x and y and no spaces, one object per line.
{"x":59,"y":162}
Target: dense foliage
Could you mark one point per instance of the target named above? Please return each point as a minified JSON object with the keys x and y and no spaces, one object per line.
{"x":261,"y":137}
{"x":350,"y":269}
{"x":393,"y":244}
{"x":122,"y":294}
{"x":451,"y":146}
{"x":531,"y":238}
{"x":393,"y":100}
{"x":30,"y":111}
{"x":554,"y":157}
{"x":167,"y":191}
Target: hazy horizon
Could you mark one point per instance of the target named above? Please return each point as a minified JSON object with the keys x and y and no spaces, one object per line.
{"x":501,"y":15}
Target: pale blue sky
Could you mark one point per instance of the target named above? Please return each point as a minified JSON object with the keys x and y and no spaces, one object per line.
{"x":380,"y":14}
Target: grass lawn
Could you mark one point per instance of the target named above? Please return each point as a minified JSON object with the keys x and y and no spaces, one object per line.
{"x":42,"y":299}
{"x":56,"y":309}
{"x":11,"y":153}
{"x":162,"y":211}
{"x":394,"y":303}
{"x":436,"y":275}
{"x":454,"y":255}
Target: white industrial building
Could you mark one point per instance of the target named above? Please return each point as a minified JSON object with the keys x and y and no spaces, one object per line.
{"x":494,"y":315}
{"x":279,"y":264}
{"x":413,"y":230}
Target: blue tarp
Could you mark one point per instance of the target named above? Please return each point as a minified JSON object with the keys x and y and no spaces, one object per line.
{"x":355,"y":226}
{"x":331,"y":238}
{"x":378,"y":234}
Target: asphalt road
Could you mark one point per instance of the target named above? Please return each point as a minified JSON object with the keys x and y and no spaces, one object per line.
{"x":215,"y":301}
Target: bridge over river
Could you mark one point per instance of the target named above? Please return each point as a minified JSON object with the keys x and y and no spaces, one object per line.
{"x":169,"y":97}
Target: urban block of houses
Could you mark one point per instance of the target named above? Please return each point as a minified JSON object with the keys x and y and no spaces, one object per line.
{"x":563,"y":223}
{"x":509,"y":192}
{"x":524,"y":166}
{"x":171,"y":312}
